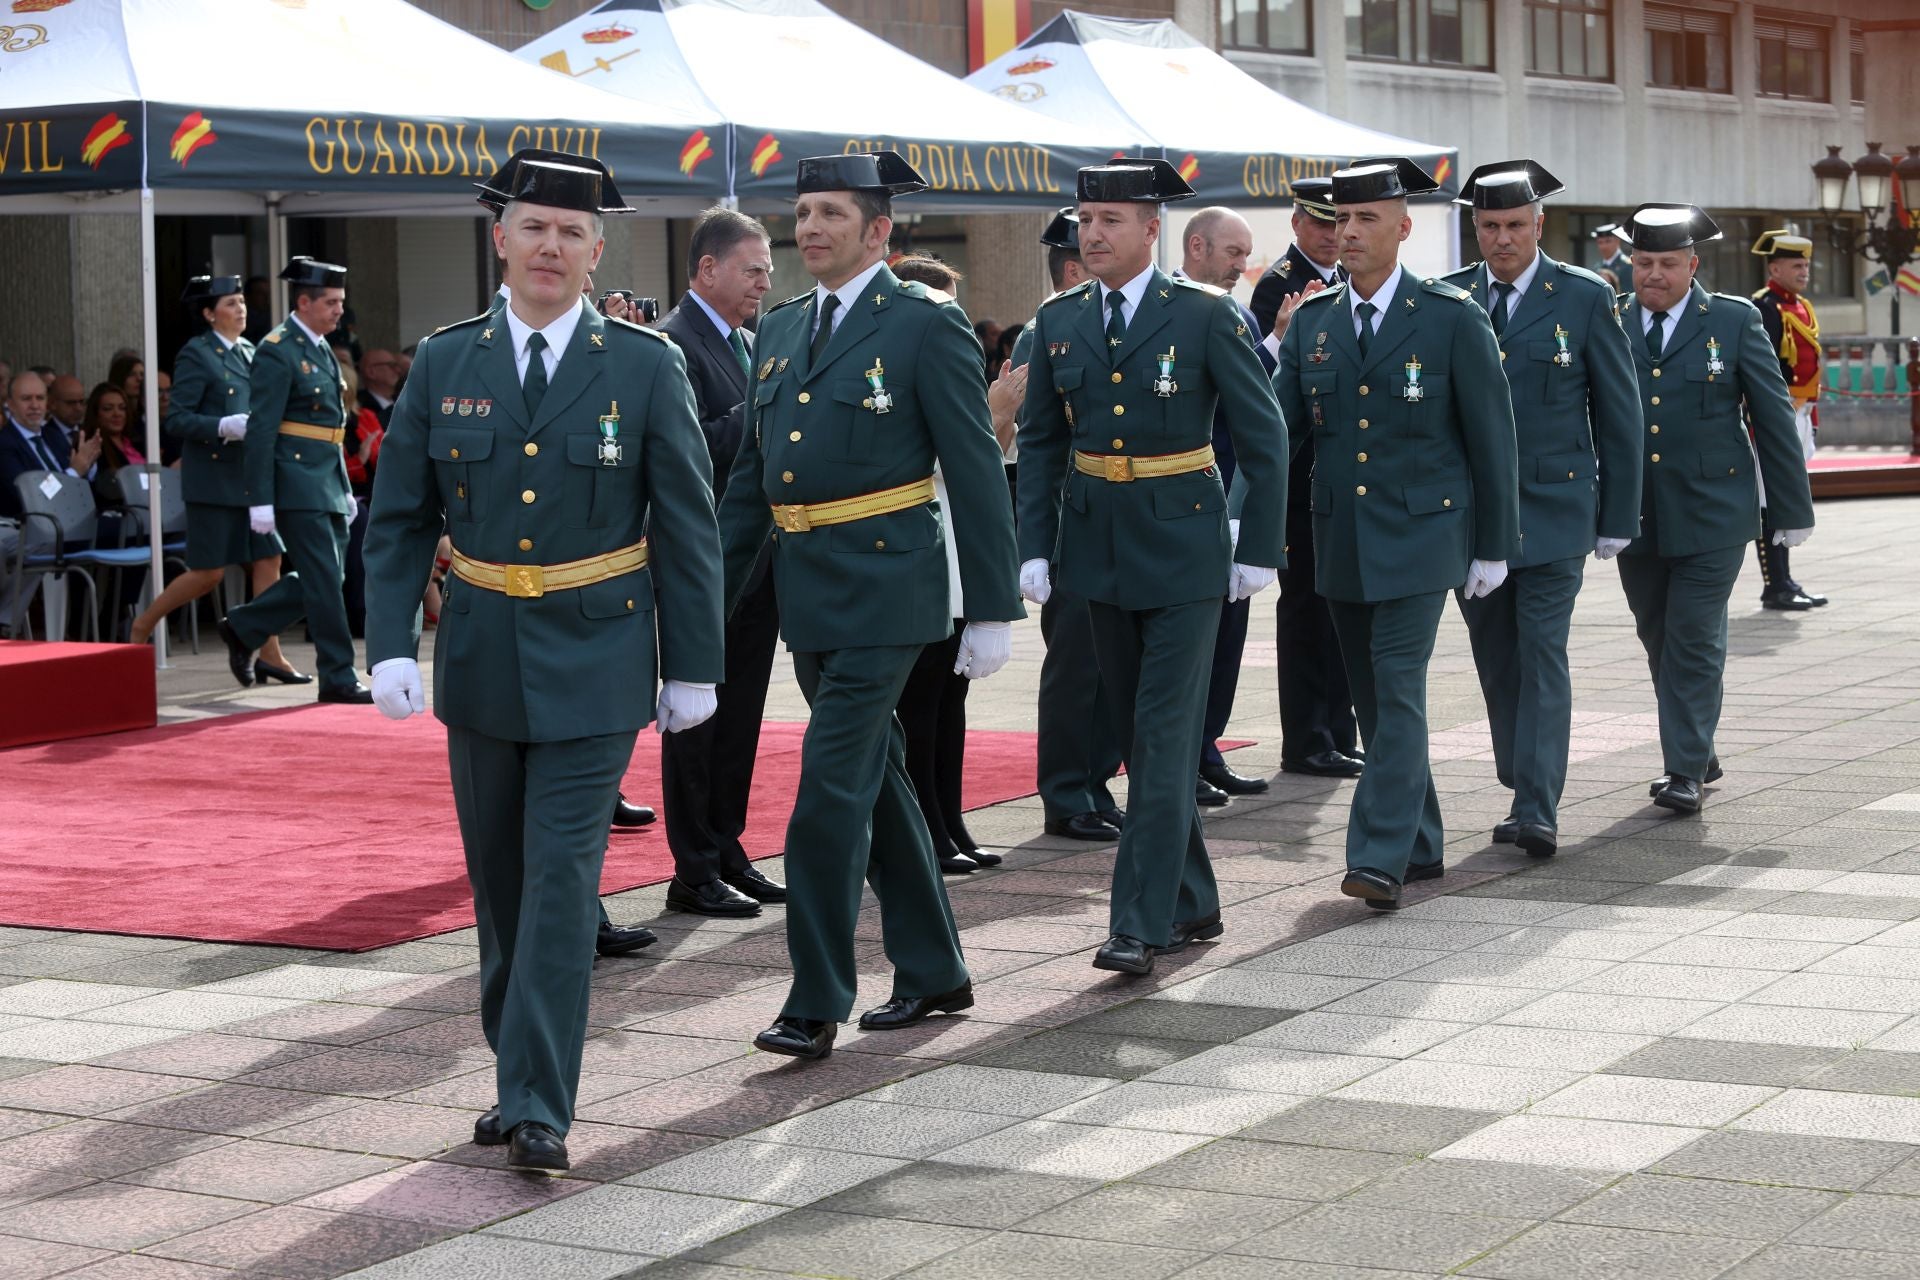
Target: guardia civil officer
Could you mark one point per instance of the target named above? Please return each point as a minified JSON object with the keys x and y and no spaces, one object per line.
{"x":1570,"y":377}
{"x":296,"y":484}
{"x":1611,"y":254}
{"x":561,"y":452}
{"x":1705,"y":370}
{"x":861,"y":385}
{"x":1077,"y":755}
{"x":1413,"y":494}
{"x":1794,"y":331}
{"x":1121,"y":499}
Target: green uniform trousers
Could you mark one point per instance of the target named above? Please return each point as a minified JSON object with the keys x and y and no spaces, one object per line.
{"x":1076,"y":751}
{"x":316,"y":589}
{"x":533,"y":818}
{"x":1519,"y":636}
{"x":1155,"y":664}
{"x":1386,"y":645}
{"x":855,"y":814}
{"x":1679,"y":608}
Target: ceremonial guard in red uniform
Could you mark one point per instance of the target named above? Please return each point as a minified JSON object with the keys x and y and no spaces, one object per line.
{"x":1795,"y":333}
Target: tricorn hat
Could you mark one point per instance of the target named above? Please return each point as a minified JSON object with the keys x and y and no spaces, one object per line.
{"x":1607,"y":229}
{"x":1660,"y":228}
{"x":1314,"y":197}
{"x":557,"y":179}
{"x":1774,"y":245}
{"x":1508,"y":184}
{"x":1380,"y":178}
{"x":1142,"y":181}
{"x":205,"y":289}
{"x":1063,"y":232}
{"x":878,"y":171}
{"x":302,"y":270}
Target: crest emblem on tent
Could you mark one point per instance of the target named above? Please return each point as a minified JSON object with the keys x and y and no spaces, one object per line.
{"x":194,"y":135}
{"x":766,"y":154}
{"x":1027,"y":92}
{"x":109,"y":134}
{"x":1031,"y":67}
{"x":611,"y":34}
{"x":37,"y":6}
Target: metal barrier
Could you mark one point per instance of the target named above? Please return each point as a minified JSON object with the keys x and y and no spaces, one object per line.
{"x":1872,"y":390}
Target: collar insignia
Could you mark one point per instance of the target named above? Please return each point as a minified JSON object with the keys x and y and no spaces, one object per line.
{"x":596,"y":340}
{"x":486,"y":335}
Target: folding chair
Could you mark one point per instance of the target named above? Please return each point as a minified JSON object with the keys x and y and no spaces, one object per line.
{"x":133,"y":483}
{"x":62,"y":507}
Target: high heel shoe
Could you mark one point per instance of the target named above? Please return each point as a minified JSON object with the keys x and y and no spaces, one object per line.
{"x":264,"y":671}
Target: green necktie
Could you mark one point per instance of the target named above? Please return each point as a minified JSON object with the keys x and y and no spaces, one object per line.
{"x":1502,"y":306}
{"x":1116,"y":327}
{"x":824,"y":334}
{"x":534,"y":386}
{"x":1366,"y":311}
{"x":739,"y":345}
{"x":1654,"y":340}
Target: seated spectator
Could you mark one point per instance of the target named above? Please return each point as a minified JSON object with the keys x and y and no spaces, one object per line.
{"x":379,"y":383}
{"x":106,"y":417}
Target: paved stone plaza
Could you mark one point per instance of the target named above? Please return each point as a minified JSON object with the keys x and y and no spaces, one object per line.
{"x":1685,"y":1048}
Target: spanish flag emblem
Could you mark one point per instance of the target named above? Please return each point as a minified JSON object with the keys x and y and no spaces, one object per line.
{"x":699,"y":147}
{"x":109,"y":133}
{"x":766,"y":154}
{"x":194,"y":134}
{"x":1443,"y":170}
{"x":1189,"y":169}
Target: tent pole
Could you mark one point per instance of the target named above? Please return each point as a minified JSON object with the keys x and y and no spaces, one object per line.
{"x":156,"y":475}
{"x":276,"y":256}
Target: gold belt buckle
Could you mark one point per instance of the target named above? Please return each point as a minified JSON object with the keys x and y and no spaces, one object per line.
{"x":1119,"y":468}
{"x":526,"y":581}
{"x":794,"y":519}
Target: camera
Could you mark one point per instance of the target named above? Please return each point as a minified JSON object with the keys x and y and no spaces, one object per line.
{"x":639,"y":310}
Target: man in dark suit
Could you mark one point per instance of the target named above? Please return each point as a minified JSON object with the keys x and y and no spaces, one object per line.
{"x":706,"y":772}
{"x":379,"y":383}
{"x":27,"y":445}
{"x":1318,"y":734}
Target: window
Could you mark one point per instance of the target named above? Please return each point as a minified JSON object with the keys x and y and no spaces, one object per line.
{"x":1793,"y":60}
{"x":1275,"y":26}
{"x":1445,"y":33}
{"x":1857,"y":60}
{"x":1570,"y":38}
{"x":1688,"y":49}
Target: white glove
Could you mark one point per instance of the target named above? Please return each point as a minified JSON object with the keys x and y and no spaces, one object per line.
{"x":260,"y":519}
{"x":1484,"y":578}
{"x":233,"y":427}
{"x":1248,"y":580}
{"x":1034,"y":584}
{"x":353,"y":508}
{"x":1790,"y":538}
{"x":1608,"y":548}
{"x":1233,"y":534}
{"x":684,"y":705}
{"x":396,"y":688}
{"x":984,"y":649}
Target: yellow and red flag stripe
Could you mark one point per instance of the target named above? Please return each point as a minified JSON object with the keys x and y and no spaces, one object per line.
{"x":109,"y":133}
{"x":194,"y":134}
{"x":766,"y":153}
{"x":1189,"y":168}
{"x":995,"y":26}
{"x":1443,"y":170}
{"x":699,"y":147}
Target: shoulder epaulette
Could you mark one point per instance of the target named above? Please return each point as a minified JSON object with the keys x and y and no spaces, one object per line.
{"x":1760,"y":293}
{"x":1203,"y":287}
{"x":458,"y":323}
{"x":1338,"y":289}
{"x":1470,"y":272}
{"x":1434,"y":284}
{"x":1581,"y":273}
{"x":638,"y":328}
{"x":272,"y":337}
{"x":1733,"y":297}
{"x":1074,"y":292}
{"x":922,"y":291}
{"x":1621,"y":301}
{"x":787,"y":302}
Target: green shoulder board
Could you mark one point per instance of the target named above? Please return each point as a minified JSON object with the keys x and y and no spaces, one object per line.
{"x":787,"y":302}
{"x":1582,"y":274}
{"x":457,"y":324}
{"x":1079,"y":290}
{"x":631,"y":327}
{"x":1332,"y":291}
{"x":1186,"y":283}
{"x":1434,"y":284}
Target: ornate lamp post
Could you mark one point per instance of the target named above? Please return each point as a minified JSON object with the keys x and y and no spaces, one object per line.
{"x":1893,"y":244}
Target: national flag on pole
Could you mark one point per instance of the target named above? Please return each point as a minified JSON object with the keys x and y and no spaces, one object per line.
{"x":1908,"y":281}
{"x":995,"y":26}
{"x":1877,"y":283}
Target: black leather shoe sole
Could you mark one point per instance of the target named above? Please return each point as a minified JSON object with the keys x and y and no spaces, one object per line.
{"x":888,"y":1018}
{"x":540,"y":1152}
{"x":1320,"y":767}
{"x":351,"y":695}
{"x":1679,"y":801}
{"x":793,"y":1043}
{"x":1184,"y":935}
{"x":1432,"y":871}
{"x":694,"y":905}
{"x":1537,"y":840}
{"x":1083,"y":826}
{"x":1714,"y":774}
{"x":1377,"y":891}
{"x":1503,"y":831}
{"x":620,"y":942}
{"x":1105,"y":959}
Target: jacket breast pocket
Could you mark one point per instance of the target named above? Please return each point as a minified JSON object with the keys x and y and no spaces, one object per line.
{"x":1438,"y":497}
{"x":1067,"y":385}
{"x":601,"y":486}
{"x":1559,"y":468}
{"x":1716,"y":388}
{"x":856,"y":434}
{"x":455,"y":452}
{"x":1189,"y":498}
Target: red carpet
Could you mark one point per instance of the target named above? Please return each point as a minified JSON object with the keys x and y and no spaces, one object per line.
{"x":322,"y":826}
{"x":50,"y":691}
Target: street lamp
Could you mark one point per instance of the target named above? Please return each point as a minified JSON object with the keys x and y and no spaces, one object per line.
{"x":1893,"y":243}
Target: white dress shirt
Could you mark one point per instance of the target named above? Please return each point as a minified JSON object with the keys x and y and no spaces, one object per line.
{"x":1385,"y":295}
{"x":1131,"y":293}
{"x":558,"y":334}
{"x":1520,"y":286}
{"x":1666,"y":326}
{"x":726,"y":330}
{"x":848,"y":293}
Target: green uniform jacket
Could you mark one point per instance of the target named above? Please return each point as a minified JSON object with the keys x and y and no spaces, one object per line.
{"x":1162,"y":540}
{"x":1406,"y":493}
{"x":210,"y":381}
{"x":572,"y":663}
{"x":812,"y":436}
{"x":1574,"y":417}
{"x":295,"y":379}
{"x":1699,"y":492}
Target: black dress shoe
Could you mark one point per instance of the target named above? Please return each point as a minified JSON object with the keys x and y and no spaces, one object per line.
{"x":618,"y":940}
{"x":1505,"y":829}
{"x":1714,"y":774}
{"x":985,"y":857}
{"x":1814,"y":596}
{"x":1234,"y":784}
{"x":957,"y":864}
{"x":536,"y":1149}
{"x":1326,"y":764}
{"x":1376,"y":888}
{"x":349,"y":693}
{"x":239,"y":657}
{"x":264,"y":671}
{"x":1124,"y":954}
{"x":757,"y":886}
{"x":709,"y":898}
{"x":1209,"y":796}
{"x":1083,"y":826}
{"x":487,"y":1131}
{"x":1681,"y":794}
{"x":626,"y":814}
{"x":1115,"y":818}
{"x":904,"y":1011}
{"x":1428,"y":871}
{"x":798,"y":1037}
{"x":1537,"y":840}
{"x":1204,"y":929}
{"x":1790,"y":599}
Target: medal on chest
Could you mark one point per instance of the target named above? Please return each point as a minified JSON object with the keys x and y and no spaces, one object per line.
{"x":882,"y":399}
{"x":1164,"y":386}
{"x":1319,"y":355}
{"x":1413,"y":392}
{"x":1714,"y":363}
{"x":1563,"y":357}
{"x":610,"y":436}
